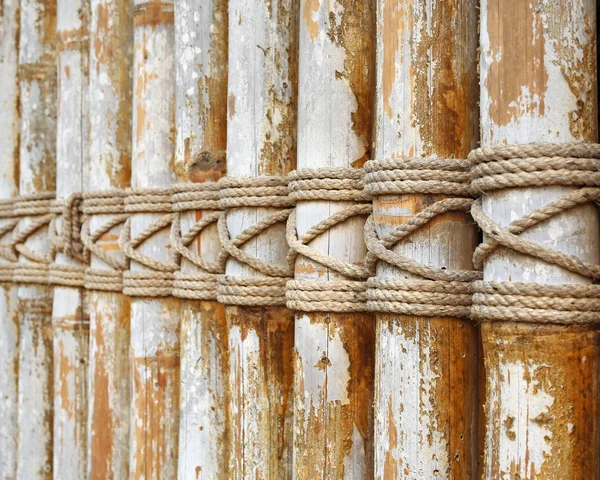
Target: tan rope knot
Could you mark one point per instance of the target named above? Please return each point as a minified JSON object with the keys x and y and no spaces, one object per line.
{"x":6,"y":252}
{"x":439,"y":292}
{"x":345,"y":295}
{"x":192,"y":197}
{"x":266,"y":192}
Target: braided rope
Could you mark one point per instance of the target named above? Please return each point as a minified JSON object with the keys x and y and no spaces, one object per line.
{"x":267,"y":192}
{"x":534,"y":165}
{"x":347,"y":295}
{"x":439,"y":292}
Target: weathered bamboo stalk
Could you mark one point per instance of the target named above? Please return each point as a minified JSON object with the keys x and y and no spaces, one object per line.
{"x":201,"y":120}
{"x":110,"y":97}
{"x":9,"y":187}
{"x":37,"y":80}
{"x":261,"y":140}
{"x":426,"y":370}
{"x":542,"y":412}
{"x":334,"y":352}
{"x":70,"y":325}
{"x":154,"y":351}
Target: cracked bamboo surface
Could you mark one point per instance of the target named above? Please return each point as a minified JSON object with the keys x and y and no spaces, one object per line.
{"x":201,"y":140}
{"x":37,"y":81}
{"x":261,"y":140}
{"x":9,"y":187}
{"x":70,"y":325}
{"x":426,"y":368}
{"x":110,"y":97}
{"x":154,"y":349}
{"x":542,"y":412}
{"x":334,"y":352}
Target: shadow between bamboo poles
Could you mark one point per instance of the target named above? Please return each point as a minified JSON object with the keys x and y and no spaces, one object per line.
{"x":542,"y":412}
{"x":426,"y":368}
{"x":110,"y":97}
{"x":201,"y":140}
{"x":70,"y":322}
{"x":9,"y":188}
{"x":154,"y":350}
{"x":261,"y":140}
{"x":37,"y":81}
{"x":334,"y":352}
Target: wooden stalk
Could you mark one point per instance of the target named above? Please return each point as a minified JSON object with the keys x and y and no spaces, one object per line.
{"x":9,"y":187}
{"x":37,"y":80}
{"x":201,"y":140}
{"x":542,"y":412}
{"x":426,"y":368}
{"x":334,"y":356}
{"x":261,"y":140}
{"x":110,"y":97}
{"x":154,"y":350}
{"x":70,"y":325}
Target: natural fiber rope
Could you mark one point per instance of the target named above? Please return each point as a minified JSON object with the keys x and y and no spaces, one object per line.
{"x":534,"y":165}
{"x":439,"y":292}
{"x":327,"y":184}
{"x":6,"y":214}
{"x":190,"y":198}
{"x":266,"y":192}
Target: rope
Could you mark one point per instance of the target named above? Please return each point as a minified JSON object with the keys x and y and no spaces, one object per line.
{"x":347,"y":295}
{"x":439,"y":292}
{"x":261,"y":192}
{"x":534,"y":165}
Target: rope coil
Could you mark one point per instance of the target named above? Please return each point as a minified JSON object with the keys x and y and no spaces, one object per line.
{"x":438,"y":292}
{"x":349,"y":294}
{"x":533,"y":165}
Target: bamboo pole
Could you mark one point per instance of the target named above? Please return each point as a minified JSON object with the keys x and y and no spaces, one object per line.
{"x":110,"y":97}
{"x":37,"y":80}
{"x":9,"y":188}
{"x":542,"y":412}
{"x":70,"y":324}
{"x":334,"y":357}
{"x":426,"y":368}
{"x":201,"y":120}
{"x":154,"y":350}
{"x":261,"y":141}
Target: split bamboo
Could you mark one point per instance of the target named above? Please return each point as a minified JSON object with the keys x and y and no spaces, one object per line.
{"x":37,"y":80}
{"x":70,"y":325}
{"x":542,"y":411}
{"x":110,"y":102}
{"x":334,"y":352}
{"x":261,"y":140}
{"x":201,"y":140}
{"x":426,"y":368}
{"x":154,"y":350}
{"x":9,"y":188}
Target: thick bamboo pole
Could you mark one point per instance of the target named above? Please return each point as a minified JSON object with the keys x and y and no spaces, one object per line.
{"x":70,"y":325}
{"x":542,"y":412}
{"x":426,"y":370}
{"x":154,"y":351}
{"x":261,"y":140}
{"x":37,"y":80}
{"x":9,"y":187}
{"x":110,"y":97}
{"x":334,"y":357}
{"x":201,"y":120}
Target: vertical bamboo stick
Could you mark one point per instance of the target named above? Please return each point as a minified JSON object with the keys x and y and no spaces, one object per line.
{"x":334,"y":357}
{"x":201,"y":120}
{"x":542,"y":412}
{"x":154,"y":351}
{"x":37,"y":79}
{"x":9,"y":187}
{"x":110,"y":97}
{"x":70,"y":325}
{"x":261,"y":140}
{"x":426,"y":371}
